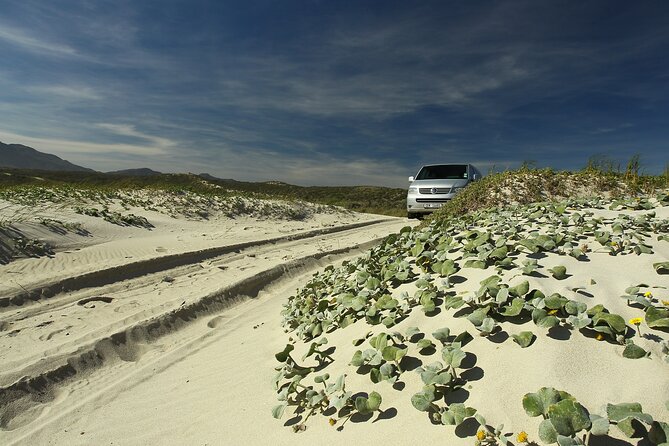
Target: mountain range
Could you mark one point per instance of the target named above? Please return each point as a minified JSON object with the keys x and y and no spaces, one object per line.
{"x":140,"y":172}
{"x":18,"y":156}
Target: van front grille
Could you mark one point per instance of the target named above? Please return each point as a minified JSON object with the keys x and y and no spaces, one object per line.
{"x":434,"y":190}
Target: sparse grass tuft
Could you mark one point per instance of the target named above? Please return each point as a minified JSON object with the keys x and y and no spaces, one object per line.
{"x":528,"y":185}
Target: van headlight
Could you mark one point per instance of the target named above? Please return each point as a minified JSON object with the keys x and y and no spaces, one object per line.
{"x":413,"y":190}
{"x":457,"y":189}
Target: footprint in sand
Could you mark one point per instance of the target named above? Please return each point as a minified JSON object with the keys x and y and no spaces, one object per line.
{"x":54,"y":333}
{"x":104,"y":299}
{"x":215,"y":322}
{"x":43,"y":324}
{"x":131,"y":304}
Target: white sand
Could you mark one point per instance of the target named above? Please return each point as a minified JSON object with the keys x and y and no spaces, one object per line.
{"x":208,"y":380}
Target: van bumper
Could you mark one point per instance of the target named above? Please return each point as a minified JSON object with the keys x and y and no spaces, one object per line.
{"x":422,"y":204}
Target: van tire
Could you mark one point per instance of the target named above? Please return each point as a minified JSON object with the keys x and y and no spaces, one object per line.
{"x":412,"y":215}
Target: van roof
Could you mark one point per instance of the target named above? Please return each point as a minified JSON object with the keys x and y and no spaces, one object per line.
{"x":447,"y":164}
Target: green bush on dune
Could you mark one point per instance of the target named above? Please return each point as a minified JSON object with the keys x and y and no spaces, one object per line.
{"x":526,"y":186}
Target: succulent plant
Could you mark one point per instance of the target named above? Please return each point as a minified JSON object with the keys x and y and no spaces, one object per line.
{"x":366,"y":290}
{"x":383,"y":359}
{"x":529,"y":266}
{"x":367,"y":405}
{"x":524,"y":338}
{"x":633,"y":351}
{"x":661,"y":267}
{"x":559,"y":272}
{"x":563,"y":415}
{"x":628,"y":417}
{"x":611,"y":325}
{"x":657,"y":317}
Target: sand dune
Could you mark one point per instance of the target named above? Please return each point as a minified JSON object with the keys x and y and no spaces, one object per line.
{"x":109,"y":299}
{"x":171,"y":350}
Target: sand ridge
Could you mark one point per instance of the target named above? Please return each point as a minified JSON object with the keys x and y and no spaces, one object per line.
{"x":210,"y":382}
{"x":109,"y":299}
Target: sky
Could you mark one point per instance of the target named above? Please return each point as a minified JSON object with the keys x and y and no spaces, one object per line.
{"x":346,"y":92}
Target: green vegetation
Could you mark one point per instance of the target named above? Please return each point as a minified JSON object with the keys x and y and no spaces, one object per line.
{"x":370,"y":199}
{"x":513,"y":234}
{"x":529,"y":185}
{"x":307,"y":399}
{"x":14,"y":243}
{"x":565,"y":418}
{"x":115,"y":217}
{"x":29,"y":199}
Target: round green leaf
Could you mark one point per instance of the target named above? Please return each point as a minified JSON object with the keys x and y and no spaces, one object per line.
{"x":633,"y":351}
{"x":442,"y":334}
{"x":568,"y":417}
{"x":423,"y":399}
{"x":657,"y":317}
{"x":277,"y":411}
{"x":547,"y":432}
{"x":600,"y":425}
{"x":283,"y":355}
{"x":559,"y":272}
{"x":524,"y":338}
{"x":536,"y":404}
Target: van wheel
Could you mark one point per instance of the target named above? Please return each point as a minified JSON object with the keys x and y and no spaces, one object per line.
{"x":412,"y":215}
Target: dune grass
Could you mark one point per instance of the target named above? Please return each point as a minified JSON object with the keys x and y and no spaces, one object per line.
{"x":369,"y":199}
{"x":527,"y":185}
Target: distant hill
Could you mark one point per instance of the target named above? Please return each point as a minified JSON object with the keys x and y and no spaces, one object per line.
{"x":141,"y":172}
{"x":208,"y":177}
{"x":277,"y":183}
{"x":19,"y":156}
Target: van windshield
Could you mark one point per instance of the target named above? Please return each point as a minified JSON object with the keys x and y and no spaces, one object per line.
{"x":443,"y":172}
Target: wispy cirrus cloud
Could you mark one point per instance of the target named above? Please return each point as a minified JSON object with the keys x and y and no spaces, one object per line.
{"x":63,"y":147}
{"x":130,"y":130}
{"x":33,"y":43}
{"x":74,"y":92}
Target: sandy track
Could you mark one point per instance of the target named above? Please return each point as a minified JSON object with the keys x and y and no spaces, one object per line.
{"x":60,"y":280}
{"x":78,"y":337}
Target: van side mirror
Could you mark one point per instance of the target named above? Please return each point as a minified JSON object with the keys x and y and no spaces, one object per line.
{"x":411,"y":179}
{"x":475,"y":177}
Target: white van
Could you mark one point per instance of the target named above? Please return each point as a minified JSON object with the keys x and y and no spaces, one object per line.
{"x":436,"y":184}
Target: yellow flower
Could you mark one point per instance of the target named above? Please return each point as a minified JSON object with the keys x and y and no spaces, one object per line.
{"x":665,"y":302}
{"x":599,"y":337}
{"x":614,"y":243}
{"x":332,"y":421}
{"x":636,"y":321}
{"x":480,"y":434}
{"x":522,"y":437}
{"x":552,"y":312}
{"x":647,"y":294}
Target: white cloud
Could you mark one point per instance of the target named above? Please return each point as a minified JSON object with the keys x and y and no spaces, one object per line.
{"x":357,"y":75}
{"x":33,"y":43}
{"x":64,"y":147}
{"x":604,"y":130}
{"x":75,"y":92}
{"x":130,"y":130}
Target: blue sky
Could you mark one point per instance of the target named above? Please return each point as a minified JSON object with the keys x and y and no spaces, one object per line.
{"x":335,"y":92}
